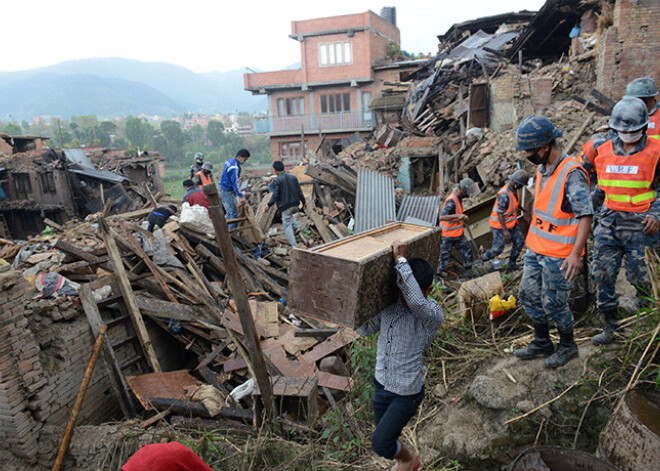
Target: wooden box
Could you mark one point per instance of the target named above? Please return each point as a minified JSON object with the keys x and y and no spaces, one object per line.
{"x":349,"y":281}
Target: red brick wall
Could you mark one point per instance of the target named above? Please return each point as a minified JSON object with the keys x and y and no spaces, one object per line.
{"x":630,"y":48}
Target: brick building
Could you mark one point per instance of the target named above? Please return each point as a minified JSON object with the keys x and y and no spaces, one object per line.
{"x":630,"y":47}
{"x":330,"y":93}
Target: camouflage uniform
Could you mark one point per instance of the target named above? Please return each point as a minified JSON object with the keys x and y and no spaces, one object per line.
{"x":620,"y":233}
{"x":544,"y":291}
{"x":517,"y":239}
{"x":448,"y":243}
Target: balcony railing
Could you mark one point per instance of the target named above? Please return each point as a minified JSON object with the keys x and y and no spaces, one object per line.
{"x":314,"y":122}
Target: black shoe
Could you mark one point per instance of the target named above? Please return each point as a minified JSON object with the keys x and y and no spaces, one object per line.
{"x":511,"y":267}
{"x":607,"y":335}
{"x":566,"y":350}
{"x":541,"y":345}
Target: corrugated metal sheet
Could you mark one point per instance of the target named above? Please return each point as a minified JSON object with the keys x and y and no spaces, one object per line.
{"x":77,"y":156}
{"x":419,"y":209}
{"x":374,"y":202}
{"x":100,"y":175}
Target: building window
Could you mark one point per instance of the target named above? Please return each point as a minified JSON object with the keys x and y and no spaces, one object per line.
{"x":47,"y":182}
{"x":291,"y":106}
{"x":339,"y":53}
{"x":290,"y":151}
{"x":335,"y":103}
{"x":366,"y":112}
{"x":22,"y":185}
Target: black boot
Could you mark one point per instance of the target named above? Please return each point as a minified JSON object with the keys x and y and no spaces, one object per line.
{"x":566,"y":350}
{"x":607,"y":335}
{"x":541,"y":345}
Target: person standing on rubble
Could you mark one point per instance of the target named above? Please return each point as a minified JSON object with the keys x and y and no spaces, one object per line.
{"x":561,"y":221}
{"x":194,"y":194}
{"x":229,"y":189}
{"x":205,"y":175}
{"x":504,"y":220}
{"x":628,"y":208}
{"x":406,"y":328}
{"x":159,"y":216}
{"x":288,"y":195}
{"x":646,"y":90}
{"x":452,"y":220}
{"x":197,"y":166}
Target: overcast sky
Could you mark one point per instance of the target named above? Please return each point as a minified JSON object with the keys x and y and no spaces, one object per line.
{"x":206,"y":35}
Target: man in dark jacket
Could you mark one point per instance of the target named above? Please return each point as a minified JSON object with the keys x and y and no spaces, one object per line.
{"x":159,"y":216}
{"x":287,"y":194}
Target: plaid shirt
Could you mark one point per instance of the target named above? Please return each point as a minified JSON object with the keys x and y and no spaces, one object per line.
{"x":404,"y":334}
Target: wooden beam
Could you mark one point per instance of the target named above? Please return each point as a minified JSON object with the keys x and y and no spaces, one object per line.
{"x":240,"y":296}
{"x":91,"y":310}
{"x":129,"y":296}
{"x":81,"y":254}
{"x":324,"y":232}
{"x":254,"y":268}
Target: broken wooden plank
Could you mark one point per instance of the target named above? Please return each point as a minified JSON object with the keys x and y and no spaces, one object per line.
{"x":189,"y":408}
{"x":119,"y":385}
{"x":260,"y":274}
{"x":317,"y":333}
{"x":170,"y":385}
{"x":129,"y":296}
{"x":81,"y":254}
{"x":328,"y":380}
{"x":324,"y":232}
{"x":53,"y":225}
{"x":332,"y":344}
{"x":211,"y":356}
{"x":169,"y":310}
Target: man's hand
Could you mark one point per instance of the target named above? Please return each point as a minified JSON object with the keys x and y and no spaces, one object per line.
{"x":507,"y":234}
{"x":651,"y":225}
{"x":462,"y":217}
{"x":572,"y":266}
{"x":398,"y":249}
{"x":242,"y":200}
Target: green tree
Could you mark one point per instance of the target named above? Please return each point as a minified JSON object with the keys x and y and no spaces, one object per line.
{"x":197,"y":133}
{"x":138,"y":132}
{"x":26,"y":126}
{"x":173,"y":133}
{"x":215,"y":132}
{"x":12,"y":129}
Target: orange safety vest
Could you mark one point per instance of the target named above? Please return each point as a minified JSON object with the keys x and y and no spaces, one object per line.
{"x":553,"y":232}
{"x":626,"y":180}
{"x":589,"y":153}
{"x":452,"y":227}
{"x":203,"y":179}
{"x":653,"y":129}
{"x":511,"y":213}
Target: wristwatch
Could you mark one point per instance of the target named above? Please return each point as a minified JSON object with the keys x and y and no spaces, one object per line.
{"x":401,"y":259}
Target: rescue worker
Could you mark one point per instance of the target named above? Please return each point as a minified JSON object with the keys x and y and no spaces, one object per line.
{"x":159,"y":216}
{"x":558,"y":233}
{"x":205,"y":175}
{"x":646,"y":90}
{"x":504,"y":220}
{"x":229,"y":189}
{"x":628,"y":220}
{"x":590,"y":149}
{"x":452,"y":220}
{"x":197,"y":166}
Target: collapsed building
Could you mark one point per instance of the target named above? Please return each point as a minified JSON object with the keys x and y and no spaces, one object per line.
{"x":41,"y":188}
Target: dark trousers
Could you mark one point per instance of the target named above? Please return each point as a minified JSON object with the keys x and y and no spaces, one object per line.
{"x":391,"y":413}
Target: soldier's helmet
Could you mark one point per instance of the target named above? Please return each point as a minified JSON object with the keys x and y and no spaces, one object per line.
{"x":629,"y":115}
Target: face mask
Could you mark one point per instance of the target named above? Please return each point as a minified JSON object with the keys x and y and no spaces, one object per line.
{"x":630,"y":138}
{"x":536,"y":159}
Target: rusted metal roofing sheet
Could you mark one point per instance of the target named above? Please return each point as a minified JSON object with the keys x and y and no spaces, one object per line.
{"x":421,"y":210}
{"x":374,"y":202}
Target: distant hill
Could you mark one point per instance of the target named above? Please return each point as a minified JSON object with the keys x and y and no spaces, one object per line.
{"x":115,"y":86}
